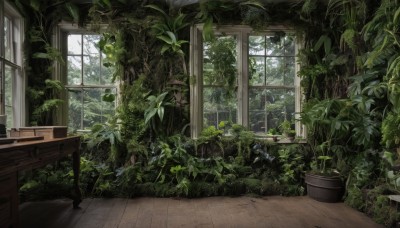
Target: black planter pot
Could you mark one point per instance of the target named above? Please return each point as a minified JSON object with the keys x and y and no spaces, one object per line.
{"x":324,"y":188}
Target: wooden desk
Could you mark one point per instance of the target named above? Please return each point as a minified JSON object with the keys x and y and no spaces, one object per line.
{"x":25,"y":155}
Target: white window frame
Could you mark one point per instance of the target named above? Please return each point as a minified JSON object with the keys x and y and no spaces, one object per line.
{"x":16,"y":64}
{"x":60,"y":70}
{"x":196,"y":67}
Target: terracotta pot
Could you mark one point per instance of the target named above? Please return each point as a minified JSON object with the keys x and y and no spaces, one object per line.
{"x":324,"y":188}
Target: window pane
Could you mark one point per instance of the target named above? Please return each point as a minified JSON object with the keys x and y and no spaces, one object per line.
{"x":268,"y":108}
{"x":106,"y":72}
{"x":90,"y":44}
{"x":74,"y":44}
{"x":256,"y":45}
{"x":275,"y":70}
{"x":7,"y":39}
{"x":91,"y":60}
{"x":256,"y":71}
{"x":95,"y":109}
{"x":91,"y":108}
{"x":74,"y":109}
{"x":74,"y":65}
{"x":91,"y":70}
{"x":218,"y":106}
{"x":219,"y":61}
{"x":290,"y":73}
{"x":8,"y":85}
{"x":274,"y":45}
{"x":289,"y":43}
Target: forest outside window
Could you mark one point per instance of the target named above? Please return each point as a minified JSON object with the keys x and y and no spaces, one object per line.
{"x":246,"y":78}
{"x":11,"y":74}
{"x":87,"y":82}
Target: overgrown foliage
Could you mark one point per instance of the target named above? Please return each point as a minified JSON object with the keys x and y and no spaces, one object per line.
{"x":349,"y":71}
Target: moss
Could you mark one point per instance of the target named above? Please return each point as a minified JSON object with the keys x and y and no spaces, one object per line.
{"x":252,"y":185}
{"x":203,"y":189}
{"x":234,"y":188}
{"x":383,"y":213}
{"x":269,"y":187}
{"x":355,"y":198}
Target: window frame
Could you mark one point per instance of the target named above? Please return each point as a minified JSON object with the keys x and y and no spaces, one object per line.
{"x":196,"y":66}
{"x":60,"y":71}
{"x":18,"y":81}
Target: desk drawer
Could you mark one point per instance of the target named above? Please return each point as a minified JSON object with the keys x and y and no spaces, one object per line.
{"x":17,"y":157}
{"x":48,"y":151}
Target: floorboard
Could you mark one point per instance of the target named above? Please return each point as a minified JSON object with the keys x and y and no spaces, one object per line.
{"x":274,"y":212}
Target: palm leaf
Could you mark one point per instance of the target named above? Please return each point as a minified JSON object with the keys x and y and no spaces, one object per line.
{"x":154,"y":7}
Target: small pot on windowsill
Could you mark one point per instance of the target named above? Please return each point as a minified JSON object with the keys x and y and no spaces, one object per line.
{"x":291,"y":135}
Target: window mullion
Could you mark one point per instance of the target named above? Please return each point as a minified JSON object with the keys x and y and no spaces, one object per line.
{"x":243,"y":85}
{"x":82,"y":107}
{"x":82,"y":59}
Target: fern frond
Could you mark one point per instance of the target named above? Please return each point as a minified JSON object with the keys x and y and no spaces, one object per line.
{"x":348,"y":37}
{"x":54,"y":84}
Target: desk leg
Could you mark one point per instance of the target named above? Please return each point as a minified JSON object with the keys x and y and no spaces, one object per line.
{"x":76,"y":163}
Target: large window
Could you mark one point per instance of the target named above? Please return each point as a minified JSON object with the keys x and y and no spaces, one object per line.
{"x":244,"y":77}
{"x":86,"y":80}
{"x":11,"y":76}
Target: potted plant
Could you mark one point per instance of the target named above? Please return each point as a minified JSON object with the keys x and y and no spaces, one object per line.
{"x":287,"y":131}
{"x":272,"y":132}
{"x":291,"y":134}
{"x":327,"y":126}
{"x":323,"y":182}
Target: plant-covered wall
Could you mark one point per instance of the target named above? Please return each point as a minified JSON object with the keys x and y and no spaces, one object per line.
{"x":349,"y":75}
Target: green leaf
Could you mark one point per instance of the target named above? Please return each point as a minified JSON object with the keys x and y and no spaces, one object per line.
{"x":164,"y":49}
{"x":166,"y":39}
{"x":320,"y":41}
{"x":253,"y":3}
{"x":172,"y":36}
{"x":35,"y":4}
{"x":160,"y":112}
{"x":328,"y":45}
{"x":150,"y":115}
{"x":154,"y":7}
{"x":208,"y":33}
{"x":108,"y":97}
{"x":388,"y":156}
{"x":41,"y":55}
{"x":324,"y":158}
{"x":73,"y":10}
{"x":107,"y":3}
{"x":390,"y":174}
{"x":396,"y":16}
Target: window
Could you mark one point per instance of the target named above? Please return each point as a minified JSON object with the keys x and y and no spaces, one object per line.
{"x":11,"y":76}
{"x":244,"y":77}
{"x":86,"y":80}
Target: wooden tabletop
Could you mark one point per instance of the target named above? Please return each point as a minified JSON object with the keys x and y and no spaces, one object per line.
{"x":9,"y":140}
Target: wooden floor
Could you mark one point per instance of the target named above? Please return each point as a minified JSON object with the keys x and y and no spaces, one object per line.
{"x":246,"y":212}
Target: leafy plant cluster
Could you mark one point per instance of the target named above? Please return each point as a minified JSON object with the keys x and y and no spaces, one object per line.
{"x":175,"y":167}
{"x":349,"y":78}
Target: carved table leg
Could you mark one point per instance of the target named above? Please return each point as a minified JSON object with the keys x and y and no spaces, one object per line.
{"x":76,"y":168}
